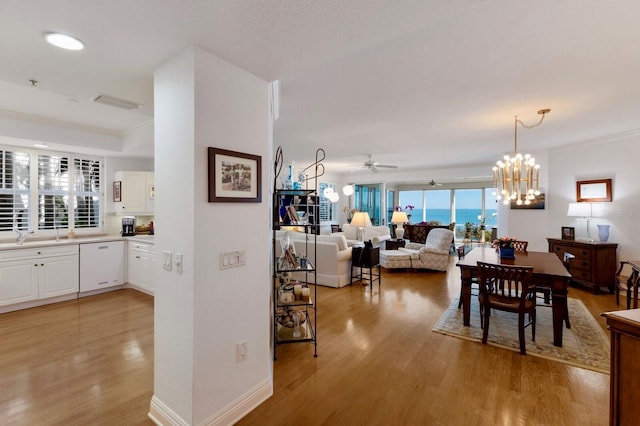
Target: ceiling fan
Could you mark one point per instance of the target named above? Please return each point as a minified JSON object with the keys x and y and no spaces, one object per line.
{"x":433,"y":183}
{"x":374,"y":165}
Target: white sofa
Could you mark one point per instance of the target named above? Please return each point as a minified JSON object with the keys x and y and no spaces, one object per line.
{"x":377,"y":234}
{"x":333,"y":263}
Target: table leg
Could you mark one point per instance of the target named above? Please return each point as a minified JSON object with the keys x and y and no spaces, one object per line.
{"x":465,"y":294}
{"x":560,"y":311}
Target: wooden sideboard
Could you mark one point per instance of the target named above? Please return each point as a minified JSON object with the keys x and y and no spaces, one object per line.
{"x":594,"y":264}
{"x":625,"y":369}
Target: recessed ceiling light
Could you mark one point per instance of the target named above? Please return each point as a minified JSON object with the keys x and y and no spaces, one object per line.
{"x":64,"y":41}
{"x":41,"y":145}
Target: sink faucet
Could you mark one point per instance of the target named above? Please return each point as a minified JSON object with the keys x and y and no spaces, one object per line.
{"x":22,"y":235}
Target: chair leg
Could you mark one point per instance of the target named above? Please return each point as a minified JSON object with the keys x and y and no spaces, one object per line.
{"x":533,"y":326}
{"x":523,"y":351}
{"x":485,"y":333}
{"x":617,"y":294}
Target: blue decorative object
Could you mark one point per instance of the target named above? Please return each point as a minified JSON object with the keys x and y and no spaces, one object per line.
{"x":603,"y":233}
{"x":507,"y":253}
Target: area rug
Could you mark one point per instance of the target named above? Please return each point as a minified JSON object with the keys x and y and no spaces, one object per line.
{"x":584,"y":345}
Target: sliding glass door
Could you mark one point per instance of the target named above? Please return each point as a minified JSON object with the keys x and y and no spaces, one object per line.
{"x":368,"y":198}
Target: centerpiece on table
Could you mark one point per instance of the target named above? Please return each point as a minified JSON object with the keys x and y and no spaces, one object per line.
{"x":505,"y":247}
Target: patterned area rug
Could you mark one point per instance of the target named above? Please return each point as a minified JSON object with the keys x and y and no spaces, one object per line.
{"x":585,"y":344}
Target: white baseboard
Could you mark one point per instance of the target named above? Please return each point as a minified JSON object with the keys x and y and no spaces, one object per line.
{"x":242,"y":406}
{"x":160,"y":414}
{"x":38,"y":302}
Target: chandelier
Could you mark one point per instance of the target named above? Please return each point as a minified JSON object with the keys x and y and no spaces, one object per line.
{"x":517,"y":178}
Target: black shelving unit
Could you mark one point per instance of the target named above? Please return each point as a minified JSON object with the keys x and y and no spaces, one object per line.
{"x":290,"y":269}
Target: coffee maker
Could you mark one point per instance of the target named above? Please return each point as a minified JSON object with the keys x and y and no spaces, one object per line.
{"x":128,"y":226}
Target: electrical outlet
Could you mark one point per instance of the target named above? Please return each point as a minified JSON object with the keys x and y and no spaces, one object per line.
{"x":241,"y":351}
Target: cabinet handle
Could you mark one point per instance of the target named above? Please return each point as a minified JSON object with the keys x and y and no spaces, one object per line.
{"x":42,"y":264}
{"x":103,"y":282}
{"x":137,"y":257}
{"x":103,"y":247}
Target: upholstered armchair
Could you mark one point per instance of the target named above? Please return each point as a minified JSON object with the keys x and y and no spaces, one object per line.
{"x":434,"y":253}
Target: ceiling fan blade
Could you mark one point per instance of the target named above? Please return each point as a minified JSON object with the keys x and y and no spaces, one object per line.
{"x":388,"y":166}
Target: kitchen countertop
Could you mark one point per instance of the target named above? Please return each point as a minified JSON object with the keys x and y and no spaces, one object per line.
{"x":12,"y":245}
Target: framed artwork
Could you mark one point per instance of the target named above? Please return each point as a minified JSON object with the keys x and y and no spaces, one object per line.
{"x":117,"y":191}
{"x":537,"y":205}
{"x":593,"y":191}
{"x":568,"y":233}
{"x":234,"y":176}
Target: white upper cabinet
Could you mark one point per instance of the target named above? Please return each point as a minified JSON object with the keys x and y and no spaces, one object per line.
{"x":136,"y":193}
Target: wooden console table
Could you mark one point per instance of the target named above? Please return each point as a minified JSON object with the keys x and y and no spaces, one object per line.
{"x":594,"y":264}
{"x":625,"y":369}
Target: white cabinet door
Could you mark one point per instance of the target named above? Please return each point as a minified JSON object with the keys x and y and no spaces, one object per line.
{"x":58,"y":276}
{"x":101,"y":265}
{"x":135,"y":190}
{"x":140,"y":265}
{"x":18,"y":281}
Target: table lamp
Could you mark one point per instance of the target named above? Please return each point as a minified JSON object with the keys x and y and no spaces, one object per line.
{"x":360,"y":220}
{"x":582,"y":210}
{"x":399,"y":218}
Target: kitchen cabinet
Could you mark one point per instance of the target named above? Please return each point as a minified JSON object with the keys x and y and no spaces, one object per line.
{"x":140,"y":260}
{"x":102,"y":265}
{"x":38,"y":273}
{"x":137,"y":191}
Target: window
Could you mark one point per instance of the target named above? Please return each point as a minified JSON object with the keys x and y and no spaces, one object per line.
{"x":63,"y":189}
{"x":14,"y":190}
{"x":326,"y":206}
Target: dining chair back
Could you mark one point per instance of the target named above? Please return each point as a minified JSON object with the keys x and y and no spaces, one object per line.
{"x":626,"y":278}
{"x":507,"y":288}
{"x":520,"y":246}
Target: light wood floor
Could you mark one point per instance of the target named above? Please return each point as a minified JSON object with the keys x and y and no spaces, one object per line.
{"x":90,"y":362}
{"x":81,"y":362}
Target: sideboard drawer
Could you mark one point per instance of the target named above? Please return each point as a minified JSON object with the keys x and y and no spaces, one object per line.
{"x":594,"y":264}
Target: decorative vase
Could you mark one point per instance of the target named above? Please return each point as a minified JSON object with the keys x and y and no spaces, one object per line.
{"x":399,"y":232}
{"x":507,"y":253}
{"x":603,"y":232}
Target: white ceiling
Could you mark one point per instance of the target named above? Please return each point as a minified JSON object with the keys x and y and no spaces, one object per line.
{"x":421,"y":84}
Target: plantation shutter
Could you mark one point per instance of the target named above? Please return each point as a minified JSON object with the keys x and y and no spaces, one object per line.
{"x":14,"y":190}
{"x":53,"y":191}
{"x":87,"y":193}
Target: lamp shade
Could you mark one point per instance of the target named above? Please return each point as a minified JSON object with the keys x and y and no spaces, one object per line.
{"x":399,"y":217}
{"x":579,"y":210}
{"x":361,"y":219}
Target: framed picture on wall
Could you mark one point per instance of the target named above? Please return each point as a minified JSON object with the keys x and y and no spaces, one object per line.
{"x":593,"y":191}
{"x":117,"y":191}
{"x":234,"y":176}
{"x":568,"y":233}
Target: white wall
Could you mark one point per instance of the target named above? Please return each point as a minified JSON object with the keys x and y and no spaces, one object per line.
{"x":203,"y":312}
{"x":615,"y":159}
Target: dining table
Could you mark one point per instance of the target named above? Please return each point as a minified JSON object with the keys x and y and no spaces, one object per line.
{"x":548,"y":271}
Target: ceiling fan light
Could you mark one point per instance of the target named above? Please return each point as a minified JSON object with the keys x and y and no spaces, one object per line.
{"x":63,"y":41}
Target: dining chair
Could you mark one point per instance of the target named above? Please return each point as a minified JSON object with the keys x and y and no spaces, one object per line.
{"x":521,"y":246}
{"x":507,"y":288}
{"x":626,"y":278}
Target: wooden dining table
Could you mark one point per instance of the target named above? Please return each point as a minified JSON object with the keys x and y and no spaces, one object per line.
{"x":548,"y":271}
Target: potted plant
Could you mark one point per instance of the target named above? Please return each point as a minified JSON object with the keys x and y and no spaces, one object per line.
{"x":505,"y":247}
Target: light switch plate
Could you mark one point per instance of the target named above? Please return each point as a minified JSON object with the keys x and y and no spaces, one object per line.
{"x":166,"y":260}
